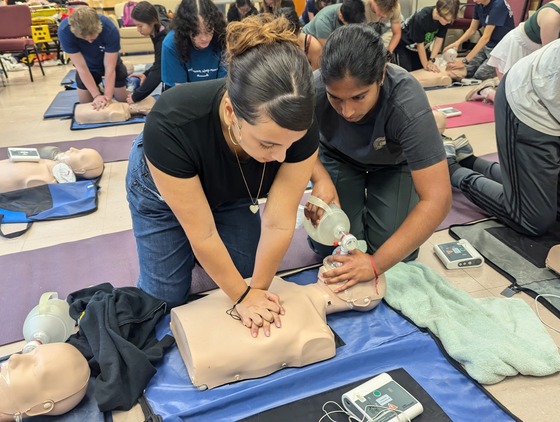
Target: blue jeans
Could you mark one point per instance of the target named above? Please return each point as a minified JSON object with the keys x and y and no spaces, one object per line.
{"x":376,"y":201}
{"x":165,"y":254}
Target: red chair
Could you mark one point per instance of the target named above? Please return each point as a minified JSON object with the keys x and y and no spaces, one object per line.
{"x":520,"y":9}
{"x":465,"y":21}
{"x":15,"y":34}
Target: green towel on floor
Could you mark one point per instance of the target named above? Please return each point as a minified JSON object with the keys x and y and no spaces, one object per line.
{"x":492,"y":337}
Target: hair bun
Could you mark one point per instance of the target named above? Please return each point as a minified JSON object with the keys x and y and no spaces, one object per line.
{"x":257,"y":30}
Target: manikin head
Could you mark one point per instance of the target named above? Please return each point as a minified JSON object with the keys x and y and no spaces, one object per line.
{"x":86,"y":163}
{"x":50,"y":380}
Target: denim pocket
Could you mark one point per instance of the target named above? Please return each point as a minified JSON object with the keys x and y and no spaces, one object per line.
{"x":139,"y":178}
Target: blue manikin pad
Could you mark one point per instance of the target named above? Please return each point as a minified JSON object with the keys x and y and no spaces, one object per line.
{"x":62,"y":105}
{"x":77,"y":126}
{"x":376,"y":341}
{"x":70,"y":78}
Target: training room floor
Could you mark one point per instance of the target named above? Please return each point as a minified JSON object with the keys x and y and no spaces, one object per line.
{"x":22,"y":105}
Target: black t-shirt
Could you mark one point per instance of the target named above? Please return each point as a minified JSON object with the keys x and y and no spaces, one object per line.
{"x":153,"y":74}
{"x":421,"y":27}
{"x":183,"y":138}
{"x":401,"y":128}
{"x":234,"y":16}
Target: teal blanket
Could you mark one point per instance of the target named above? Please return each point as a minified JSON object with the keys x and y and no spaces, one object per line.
{"x":492,"y":337}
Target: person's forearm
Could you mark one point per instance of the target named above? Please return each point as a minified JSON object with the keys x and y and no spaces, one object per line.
{"x":89,"y":82}
{"x":394,"y":42}
{"x":273,"y":245}
{"x":436,"y":48}
{"x":479,"y":46}
{"x":422,"y":54}
{"x":319,"y":172}
{"x":468,"y":33}
{"x":413,"y":232}
{"x":109,"y":82}
{"x":214,"y":257}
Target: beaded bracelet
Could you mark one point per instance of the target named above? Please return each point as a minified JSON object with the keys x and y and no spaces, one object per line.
{"x":231,"y":310}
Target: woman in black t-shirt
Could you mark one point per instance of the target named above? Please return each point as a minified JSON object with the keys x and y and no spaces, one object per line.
{"x":209,"y":151}
{"x":240,"y":9}
{"x":146,"y":20}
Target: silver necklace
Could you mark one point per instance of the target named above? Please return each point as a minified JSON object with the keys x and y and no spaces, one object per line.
{"x":254,"y":207}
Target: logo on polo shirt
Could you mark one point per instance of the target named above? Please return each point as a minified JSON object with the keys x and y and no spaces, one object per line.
{"x":379,"y":143}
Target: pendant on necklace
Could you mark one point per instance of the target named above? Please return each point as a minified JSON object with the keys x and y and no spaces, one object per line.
{"x":254,"y":208}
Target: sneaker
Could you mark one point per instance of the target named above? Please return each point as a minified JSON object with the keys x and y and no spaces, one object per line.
{"x":463,"y":148}
{"x":449,"y":146}
{"x":475,"y":94}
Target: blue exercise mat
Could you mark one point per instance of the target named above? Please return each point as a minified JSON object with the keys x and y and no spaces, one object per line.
{"x":62,"y":105}
{"x":77,"y":126}
{"x":70,"y":78}
{"x":375,"y":342}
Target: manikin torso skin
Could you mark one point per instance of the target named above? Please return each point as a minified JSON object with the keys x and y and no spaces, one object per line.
{"x":218,"y":349}
{"x":22,"y":175}
{"x":113,"y":112}
{"x":51,"y":380}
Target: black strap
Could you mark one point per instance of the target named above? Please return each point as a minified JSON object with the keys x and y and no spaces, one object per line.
{"x":13,"y":234}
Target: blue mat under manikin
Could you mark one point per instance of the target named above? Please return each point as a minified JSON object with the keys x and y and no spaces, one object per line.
{"x":69,"y":78}
{"x":62,"y":105}
{"x":77,"y":126}
{"x":375,"y":342}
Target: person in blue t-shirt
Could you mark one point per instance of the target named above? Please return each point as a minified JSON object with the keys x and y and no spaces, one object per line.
{"x":496,"y":17}
{"x":92,"y":41}
{"x":193,"y":50}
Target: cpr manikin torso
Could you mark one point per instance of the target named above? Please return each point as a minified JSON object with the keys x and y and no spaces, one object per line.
{"x":218,"y":349}
{"x":50,"y":380}
{"x":113,"y":112}
{"x":445,"y":76}
{"x":85,"y":163}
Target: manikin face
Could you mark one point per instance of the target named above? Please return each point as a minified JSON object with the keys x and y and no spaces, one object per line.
{"x":144,"y":29}
{"x":351,"y":99}
{"x":265,"y":141}
{"x":34,"y":382}
{"x":204,"y":36}
{"x":85,"y":162}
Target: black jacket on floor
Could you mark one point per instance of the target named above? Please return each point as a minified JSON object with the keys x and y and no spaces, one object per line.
{"x":117,"y":337}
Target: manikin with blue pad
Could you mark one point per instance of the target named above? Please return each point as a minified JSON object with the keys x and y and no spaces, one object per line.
{"x":218,"y":350}
{"x":114,"y":111}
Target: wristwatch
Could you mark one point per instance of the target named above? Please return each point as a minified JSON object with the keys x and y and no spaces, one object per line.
{"x":465,"y":61}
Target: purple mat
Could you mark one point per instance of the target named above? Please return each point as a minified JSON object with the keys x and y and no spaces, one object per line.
{"x":113,"y":148}
{"x":71,"y":266}
{"x":63,"y":269}
{"x":462,"y":210}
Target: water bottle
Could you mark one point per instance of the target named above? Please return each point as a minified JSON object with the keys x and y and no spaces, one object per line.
{"x":133,"y":82}
{"x":48,"y":322}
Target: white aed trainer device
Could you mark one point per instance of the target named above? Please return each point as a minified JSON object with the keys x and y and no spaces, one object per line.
{"x":459,"y":254}
{"x":450,"y":111}
{"x":381,"y":399}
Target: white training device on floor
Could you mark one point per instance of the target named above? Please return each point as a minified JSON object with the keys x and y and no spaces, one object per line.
{"x":450,"y":111}
{"x":23,"y":154}
{"x":459,"y":254}
{"x":381,"y":399}
{"x":470,"y":81}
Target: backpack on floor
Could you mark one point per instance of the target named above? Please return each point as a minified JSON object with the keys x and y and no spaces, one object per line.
{"x":163,"y":16}
{"x":47,"y":202}
{"x":127,"y":13}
